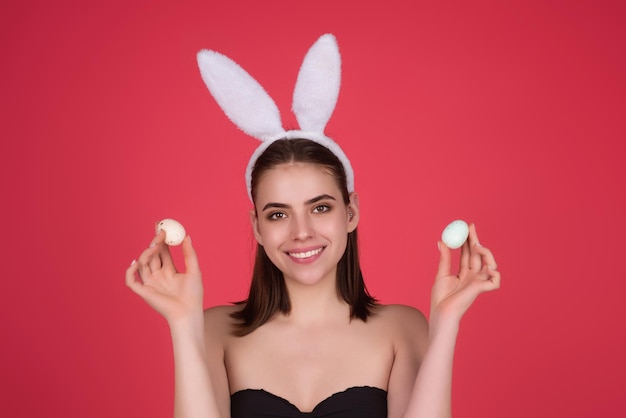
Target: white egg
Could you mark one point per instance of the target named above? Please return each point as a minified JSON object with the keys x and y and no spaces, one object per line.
{"x":455,"y":234}
{"x":174,"y":231}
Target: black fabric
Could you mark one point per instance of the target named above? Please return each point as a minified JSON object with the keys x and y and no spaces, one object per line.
{"x":355,"y":402}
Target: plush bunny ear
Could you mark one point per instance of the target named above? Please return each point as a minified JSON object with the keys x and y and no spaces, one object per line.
{"x":249,"y":107}
{"x":240,"y":96}
{"x":317,"y":87}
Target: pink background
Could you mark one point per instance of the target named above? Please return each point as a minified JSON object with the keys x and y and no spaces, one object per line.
{"x":507,"y":114}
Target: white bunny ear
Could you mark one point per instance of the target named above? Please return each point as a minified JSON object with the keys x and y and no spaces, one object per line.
{"x":317,"y":87}
{"x":240,"y":96}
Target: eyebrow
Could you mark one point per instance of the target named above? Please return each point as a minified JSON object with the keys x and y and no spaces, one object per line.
{"x":308,"y":202}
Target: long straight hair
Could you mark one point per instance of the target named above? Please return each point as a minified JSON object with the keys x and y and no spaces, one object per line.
{"x":268,"y":291}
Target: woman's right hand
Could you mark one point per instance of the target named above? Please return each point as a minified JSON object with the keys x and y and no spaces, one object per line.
{"x":154,"y":277}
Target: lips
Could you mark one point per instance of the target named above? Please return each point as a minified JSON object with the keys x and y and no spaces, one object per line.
{"x":301,"y":255}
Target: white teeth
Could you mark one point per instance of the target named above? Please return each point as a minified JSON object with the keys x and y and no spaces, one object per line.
{"x":306,"y":254}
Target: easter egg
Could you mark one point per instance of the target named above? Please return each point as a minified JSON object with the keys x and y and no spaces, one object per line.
{"x":174,"y":231}
{"x":455,"y":234}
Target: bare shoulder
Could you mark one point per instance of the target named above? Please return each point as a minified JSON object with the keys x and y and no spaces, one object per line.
{"x":403,"y":316}
{"x":218,"y":321}
{"x":405,"y":325}
{"x":220,"y":313}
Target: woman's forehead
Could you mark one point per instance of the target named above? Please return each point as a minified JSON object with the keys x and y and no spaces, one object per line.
{"x":296,"y":183}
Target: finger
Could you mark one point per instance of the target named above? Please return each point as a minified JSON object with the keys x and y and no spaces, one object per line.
{"x":475,"y":261}
{"x":487,"y":258}
{"x":444,"y":260}
{"x":166,"y":258}
{"x":493,"y":281}
{"x":145,"y":261}
{"x":191,"y":259}
{"x":465,"y":257}
{"x":158,"y":240}
{"x":143,"y":268}
{"x":131,"y":279}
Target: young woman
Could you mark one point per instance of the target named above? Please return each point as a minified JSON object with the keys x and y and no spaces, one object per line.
{"x":309,"y":340}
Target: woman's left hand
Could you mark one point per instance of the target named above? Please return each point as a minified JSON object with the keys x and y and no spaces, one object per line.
{"x":452,"y":294}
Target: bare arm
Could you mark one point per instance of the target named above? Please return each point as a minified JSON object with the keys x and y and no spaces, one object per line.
{"x":451,"y":297}
{"x":179,"y":297}
{"x":193,"y":387}
{"x":432,"y":390}
{"x":410,"y":344}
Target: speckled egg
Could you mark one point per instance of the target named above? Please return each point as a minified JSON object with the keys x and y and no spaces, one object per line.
{"x":174,"y":231}
{"x":455,"y":234}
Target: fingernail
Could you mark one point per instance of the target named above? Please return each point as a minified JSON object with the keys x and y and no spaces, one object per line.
{"x":439,"y":245}
{"x":152,"y":245}
{"x":494,"y":268}
{"x":477,"y":244}
{"x":189,"y":236}
{"x":133,"y":262}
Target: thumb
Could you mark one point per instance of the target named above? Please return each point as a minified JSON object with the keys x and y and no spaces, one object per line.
{"x":191,"y":259}
{"x":444,"y":260}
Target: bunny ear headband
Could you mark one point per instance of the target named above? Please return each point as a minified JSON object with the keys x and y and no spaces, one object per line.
{"x":248,"y":106}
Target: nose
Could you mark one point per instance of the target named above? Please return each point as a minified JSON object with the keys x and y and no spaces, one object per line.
{"x":301,"y":227}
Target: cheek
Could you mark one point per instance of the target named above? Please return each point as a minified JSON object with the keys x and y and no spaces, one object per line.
{"x":336,"y":229}
{"x":271,"y":233}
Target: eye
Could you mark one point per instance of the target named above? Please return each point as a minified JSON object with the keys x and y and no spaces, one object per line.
{"x":274,"y":216}
{"x":321,"y":208}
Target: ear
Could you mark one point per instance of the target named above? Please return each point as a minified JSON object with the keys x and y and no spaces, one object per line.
{"x":353,"y":212}
{"x":254,"y":221}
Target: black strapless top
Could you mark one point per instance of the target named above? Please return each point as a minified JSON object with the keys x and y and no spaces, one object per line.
{"x":355,"y":402}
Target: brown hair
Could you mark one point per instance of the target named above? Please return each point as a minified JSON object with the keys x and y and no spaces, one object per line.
{"x":268,"y":292}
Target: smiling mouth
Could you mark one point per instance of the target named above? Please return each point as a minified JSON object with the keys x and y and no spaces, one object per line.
{"x":306,"y":254}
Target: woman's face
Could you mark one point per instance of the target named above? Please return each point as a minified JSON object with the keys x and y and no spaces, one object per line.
{"x":302,"y":221}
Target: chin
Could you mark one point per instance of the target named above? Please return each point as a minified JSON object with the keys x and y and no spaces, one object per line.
{"x":308,"y":279}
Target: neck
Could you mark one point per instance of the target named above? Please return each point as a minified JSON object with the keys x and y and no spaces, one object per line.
{"x":319,"y":303}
